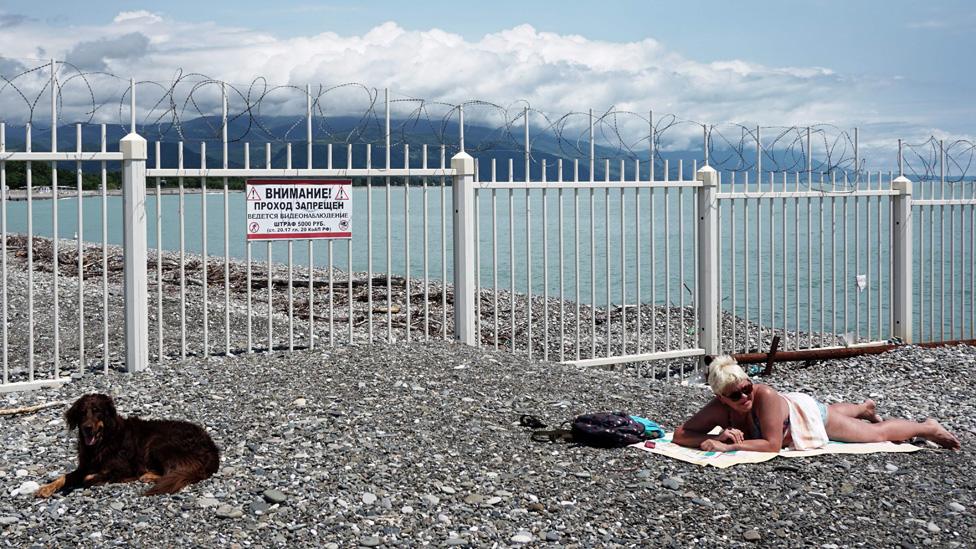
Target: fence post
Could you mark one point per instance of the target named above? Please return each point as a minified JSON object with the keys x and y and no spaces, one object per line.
{"x":465,"y":248}
{"x":133,"y":148}
{"x":708,"y":298}
{"x":901,"y":260}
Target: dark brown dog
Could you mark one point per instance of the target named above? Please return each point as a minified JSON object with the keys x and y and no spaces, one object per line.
{"x":112,"y":448}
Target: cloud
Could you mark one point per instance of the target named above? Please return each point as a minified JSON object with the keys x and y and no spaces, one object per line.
{"x":142,"y":16}
{"x":93,"y":55}
{"x":8,"y":20}
{"x":551,"y":72}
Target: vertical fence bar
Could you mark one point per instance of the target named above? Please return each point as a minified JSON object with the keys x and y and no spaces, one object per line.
{"x":55,"y":262}
{"x":545,"y":265}
{"x":159,"y":264}
{"x":406,"y":240}
{"x":349,"y":252}
{"x":623,"y":264}
{"x":759,"y":244}
{"x":80,"y":237}
{"x":443,"y":164}
{"x":846,"y":280}
{"x":133,"y":148}
{"x":942,"y":242}
{"x":291,"y":271}
{"x":104,"y":181}
{"x":528,"y":236}
{"x":637,"y":254}
{"x":783,"y":248}
{"x":268,"y":250}
{"x":511,"y":254}
{"x":732,"y":269}
{"x":247,"y":259}
{"x":867,"y":256}
{"x":389,"y":230}
{"x":667,"y":262}
{"x":226,"y":212}
{"x":204,"y":260}
{"x":592,"y":194}
{"x":562,"y":259}
{"x":651,"y":214}
{"x":369,"y":237}
{"x":606,"y":243}
{"x":833,"y":258}
{"x":880,"y":271}
{"x":576,"y":261}
{"x":681,"y":261}
{"x":494,"y":249}
{"x":423,"y":162}
{"x":28,"y":174}
{"x":311,"y":247}
{"x":182,"y":215}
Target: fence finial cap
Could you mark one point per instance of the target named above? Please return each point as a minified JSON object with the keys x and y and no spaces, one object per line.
{"x":902,"y":184}
{"x":463,"y":163}
{"x":133,"y":147}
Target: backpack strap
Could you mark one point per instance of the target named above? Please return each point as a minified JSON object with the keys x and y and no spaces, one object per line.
{"x":553,"y":435}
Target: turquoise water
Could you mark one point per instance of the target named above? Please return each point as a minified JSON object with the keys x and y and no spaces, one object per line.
{"x":659,"y":282}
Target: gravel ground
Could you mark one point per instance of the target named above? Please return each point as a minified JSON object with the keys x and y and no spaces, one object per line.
{"x":418,"y":444}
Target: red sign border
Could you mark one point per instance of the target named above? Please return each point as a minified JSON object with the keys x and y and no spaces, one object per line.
{"x":296,"y":236}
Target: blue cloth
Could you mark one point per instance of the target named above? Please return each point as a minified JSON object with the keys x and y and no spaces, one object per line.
{"x":651,"y":428}
{"x":823,"y":412}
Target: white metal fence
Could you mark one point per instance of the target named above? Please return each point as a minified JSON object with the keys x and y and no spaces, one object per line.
{"x":620,"y":263}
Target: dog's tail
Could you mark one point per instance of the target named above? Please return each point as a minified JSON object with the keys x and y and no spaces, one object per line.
{"x":175,"y":480}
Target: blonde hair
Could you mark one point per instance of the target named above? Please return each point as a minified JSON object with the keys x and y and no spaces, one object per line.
{"x":724,"y":371}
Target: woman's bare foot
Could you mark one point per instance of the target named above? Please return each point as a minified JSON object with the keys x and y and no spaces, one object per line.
{"x":941,"y":436}
{"x":870,"y":412}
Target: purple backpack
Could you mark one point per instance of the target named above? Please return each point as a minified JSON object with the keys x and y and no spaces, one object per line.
{"x":607,"y":430}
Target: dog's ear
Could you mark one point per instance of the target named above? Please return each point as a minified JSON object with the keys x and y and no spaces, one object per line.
{"x":108,"y":405}
{"x":73,"y":415}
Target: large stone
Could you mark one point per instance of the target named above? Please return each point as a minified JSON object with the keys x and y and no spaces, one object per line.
{"x":274,"y":496}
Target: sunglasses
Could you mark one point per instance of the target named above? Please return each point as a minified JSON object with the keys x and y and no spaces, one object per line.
{"x":737,"y":395}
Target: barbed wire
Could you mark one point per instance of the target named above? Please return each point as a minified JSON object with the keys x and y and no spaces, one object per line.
{"x":189,"y":106}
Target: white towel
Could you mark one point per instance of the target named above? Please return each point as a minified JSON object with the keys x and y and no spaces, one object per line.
{"x":806,"y":425}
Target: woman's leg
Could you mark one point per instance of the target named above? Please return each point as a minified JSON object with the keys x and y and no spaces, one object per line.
{"x":844,"y":428}
{"x":865,"y":410}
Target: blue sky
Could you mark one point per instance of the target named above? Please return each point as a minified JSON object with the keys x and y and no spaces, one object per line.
{"x":892,"y":67}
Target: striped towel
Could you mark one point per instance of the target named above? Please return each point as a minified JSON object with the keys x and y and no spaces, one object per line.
{"x":806,"y":425}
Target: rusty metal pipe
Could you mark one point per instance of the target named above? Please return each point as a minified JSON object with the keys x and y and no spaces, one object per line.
{"x":836,"y":352}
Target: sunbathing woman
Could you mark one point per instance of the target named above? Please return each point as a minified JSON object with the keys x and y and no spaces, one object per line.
{"x":760,"y":419}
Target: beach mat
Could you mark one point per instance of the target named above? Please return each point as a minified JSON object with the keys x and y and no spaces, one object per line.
{"x":663,"y":446}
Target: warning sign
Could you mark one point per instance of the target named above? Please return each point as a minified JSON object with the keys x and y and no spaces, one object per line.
{"x":298,"y":208}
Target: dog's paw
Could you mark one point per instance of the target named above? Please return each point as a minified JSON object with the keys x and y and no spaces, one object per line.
{"x":50,"y":488}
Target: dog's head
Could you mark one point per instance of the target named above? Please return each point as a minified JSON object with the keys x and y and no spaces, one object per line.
{"x":94,"y":416}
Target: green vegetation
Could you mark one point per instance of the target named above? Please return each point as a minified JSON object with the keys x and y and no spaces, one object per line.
{"x":91,"y":178}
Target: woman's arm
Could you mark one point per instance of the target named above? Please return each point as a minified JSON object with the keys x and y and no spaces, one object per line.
{"x":772,"y":411}
{"x":695,"y":431}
